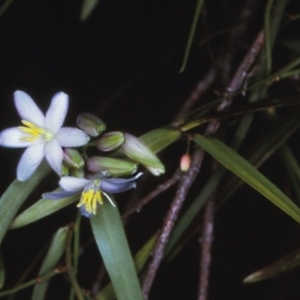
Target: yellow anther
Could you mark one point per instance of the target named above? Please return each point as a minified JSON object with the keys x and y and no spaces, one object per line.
{"x":90,"y":197}
{"x":35,"y":132}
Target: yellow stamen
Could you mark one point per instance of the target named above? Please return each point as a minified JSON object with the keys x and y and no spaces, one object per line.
{"x":91,"y":196}
{"x":34,"y":132}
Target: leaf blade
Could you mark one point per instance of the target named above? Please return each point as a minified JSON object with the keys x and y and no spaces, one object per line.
{"x":110,"y":237}
{"x":243,"y":169}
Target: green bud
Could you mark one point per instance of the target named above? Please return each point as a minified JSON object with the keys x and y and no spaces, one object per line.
{"x":77,"y":173}
{"x":73,"y":159}
{"x":114,"y":166}
{"x":91,"y":124}
{"x":110,"y":141}
{"x":64,"y":170}
{"x":139,"y":152}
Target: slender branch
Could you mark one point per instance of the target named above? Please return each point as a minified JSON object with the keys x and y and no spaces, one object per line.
{"x":206,"y":242}
{"x":238,"y":78}
{"x":182,"y":190}
{"x":97,"y":284}
{"x":158,"y":190}
{"x":201,"y":87}
{"x":236,"y":34}
{"x":242,"y":70}
{"x":39,"y":279}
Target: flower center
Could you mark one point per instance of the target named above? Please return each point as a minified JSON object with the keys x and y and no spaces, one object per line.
{"x":34,"y":132}
{"x":90,"y":196}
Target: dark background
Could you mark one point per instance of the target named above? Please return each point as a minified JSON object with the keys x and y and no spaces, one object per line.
{"x":122,"y":64}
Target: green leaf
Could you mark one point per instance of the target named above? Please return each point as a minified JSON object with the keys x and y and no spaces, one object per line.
{"x":159,"y":139}
{"x":292,"y":44}
{"x":5,"y":6}
{"x":52,"y":257}
{"x":41,"y":209}
{"x":112,"y":243}
{"x":293,"y":169}
{"x":284,"y":264}
{"x":243,"y":169}
{"x":192,"y":33}
{"x":268,"y":39}
{"x":87,"y":8}
{"x":140,"y":259}
{"x":16,"y":194}
{"x":261,"y":151}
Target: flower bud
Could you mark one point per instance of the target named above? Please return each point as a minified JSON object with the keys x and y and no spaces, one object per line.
{"x":73,"y":159}
{"x":114,"y":166}
{"x":110,"y":141}
{"x":139,"y":152}
{"x":91,"y":124}
{"x":185,"y":162}
{"x":64,"y":170}
{"x":77,"y":173}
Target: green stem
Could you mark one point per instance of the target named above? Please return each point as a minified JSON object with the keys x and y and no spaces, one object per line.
{"x":69,"y":267}
{"x":76,"y":249}
{"x":43,"y":278}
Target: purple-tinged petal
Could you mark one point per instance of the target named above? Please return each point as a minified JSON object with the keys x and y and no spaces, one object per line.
{"x":83,"y":212}
{"x":58,"y":195}
{"x":72,"y":137}
{"x":54,"y":155}
{"x":57,"y":111}
{"x":118,"y":185}
{"x":29,"y":162}
{"x":73,"y":184}
{"x":14,"y":137}
{"x":27,"y":109}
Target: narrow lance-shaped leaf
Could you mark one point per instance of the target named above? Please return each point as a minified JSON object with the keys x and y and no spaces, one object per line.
{"x":191,"y":33}
{"x":284,"y":264}
{"x":52,"y":257}
{"x":159,"y":139}
{"x":41,"y":209}
{"x":16,"y":194}
{"x":265,"y":148}
{"x":87,"y":8}
{"x":112,"y":243}
{"x":243,"y":169}
{"x":140,"y":259}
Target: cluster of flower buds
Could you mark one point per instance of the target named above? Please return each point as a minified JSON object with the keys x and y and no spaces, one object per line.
{"x":44,"y":137}
{"x":126,"y":143}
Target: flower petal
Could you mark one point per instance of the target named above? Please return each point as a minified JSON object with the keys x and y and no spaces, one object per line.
{"x":29,"y":162}
{"x":54,"y":155}
{"x":14,"y":137}
{"x":73,"y":184}
{"x":118,"y":185}
{"x":27,"y":109}
{"x":56,"y":112}
{"x":72,"y":137}
{"x":58,"y":195}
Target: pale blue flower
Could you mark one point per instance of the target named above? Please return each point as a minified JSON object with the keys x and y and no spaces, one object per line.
{"x":92,"y":190}
{"x":43,"y":135}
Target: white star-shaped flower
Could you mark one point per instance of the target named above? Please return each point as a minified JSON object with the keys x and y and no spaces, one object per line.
{"x":43,"y":135}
